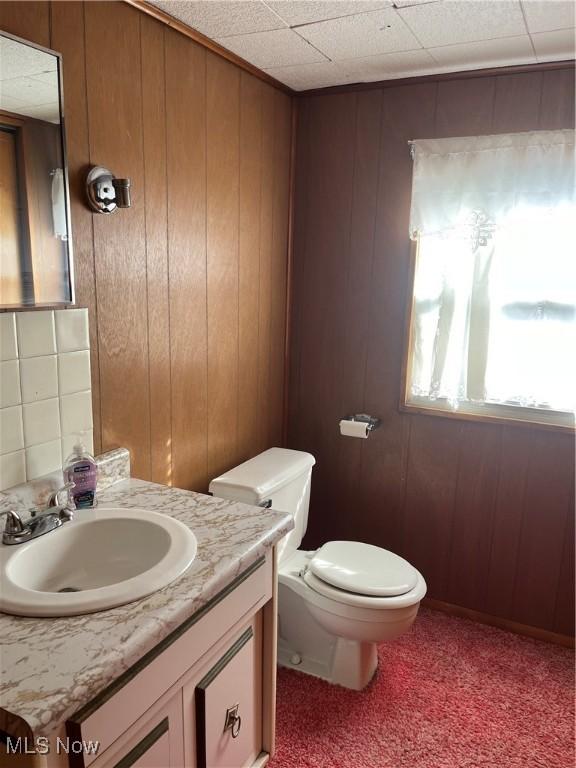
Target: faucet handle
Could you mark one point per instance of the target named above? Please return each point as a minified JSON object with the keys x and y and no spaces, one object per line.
{"x":54,"y":500}
{"x":14,"y":524}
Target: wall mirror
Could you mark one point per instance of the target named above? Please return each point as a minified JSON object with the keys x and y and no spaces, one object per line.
{"x":35,"y":236}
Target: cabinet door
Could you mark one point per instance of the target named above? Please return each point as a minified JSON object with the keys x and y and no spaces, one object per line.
{"x":228,"y":706}
{"x":154,"y":741}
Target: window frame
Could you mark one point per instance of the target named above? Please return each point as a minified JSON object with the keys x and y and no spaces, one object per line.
{"x":527,"y":417}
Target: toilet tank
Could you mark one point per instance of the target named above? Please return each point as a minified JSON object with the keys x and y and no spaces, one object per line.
{"x":280,"y":476}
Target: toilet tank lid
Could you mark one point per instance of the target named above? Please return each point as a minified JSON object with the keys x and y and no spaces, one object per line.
{"x":263,"y":474}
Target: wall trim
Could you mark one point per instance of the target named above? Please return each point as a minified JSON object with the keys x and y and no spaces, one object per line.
{"x":516,"y":69}
{"x":206,"y":42}
{"x":536,"y":633}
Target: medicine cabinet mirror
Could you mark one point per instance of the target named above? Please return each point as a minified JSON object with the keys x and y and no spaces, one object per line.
{"x":35,"y":237}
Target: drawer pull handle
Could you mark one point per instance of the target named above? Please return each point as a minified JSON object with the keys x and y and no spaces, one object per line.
{"x":233,"y":721}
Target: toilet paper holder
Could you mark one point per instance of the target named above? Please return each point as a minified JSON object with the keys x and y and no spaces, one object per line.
{"x":372,"y":422}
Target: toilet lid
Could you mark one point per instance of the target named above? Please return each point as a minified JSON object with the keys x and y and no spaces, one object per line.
{"x":363,"y":569}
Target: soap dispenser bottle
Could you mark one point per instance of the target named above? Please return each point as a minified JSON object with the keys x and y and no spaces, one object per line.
{"x":81,"y":469}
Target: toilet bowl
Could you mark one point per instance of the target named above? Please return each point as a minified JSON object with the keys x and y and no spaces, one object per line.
{"x":337,"y":603}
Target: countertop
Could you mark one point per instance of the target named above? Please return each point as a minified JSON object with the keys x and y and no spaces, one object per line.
{"x":50,"y":668}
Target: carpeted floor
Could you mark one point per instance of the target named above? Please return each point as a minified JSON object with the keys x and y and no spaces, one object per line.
{"x":449,"y":694}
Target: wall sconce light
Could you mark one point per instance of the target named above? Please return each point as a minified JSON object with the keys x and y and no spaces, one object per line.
{"x":105,"y":192}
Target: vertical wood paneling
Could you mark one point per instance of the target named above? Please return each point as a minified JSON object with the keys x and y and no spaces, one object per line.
{"x":484,"y":510}
{"x":186,"y":161}
{"x":187,"y":336}
{"x":222,"y":199}
{"x":557,"y":103}
{"x":282,"y":130}
{"x":408,"y":112}
{"x":30,"y":20}
{"x":430,"y":494}
{"x":513,"y":472}
{"x":155,"y":197}
{"x":115,"y":132}
{"x":472,"y":526}
{"x":267,"y":181}
{"x":68,"y":38}
{"x":353,"y":488}
{"x":331,"y":169}
{"x":249,"y":264}
{"x":564,"y":614}
{"x":465,"y":107}
{"x":304,"y":149}
{"x":517,"y":102}
{"x":548,"y":500}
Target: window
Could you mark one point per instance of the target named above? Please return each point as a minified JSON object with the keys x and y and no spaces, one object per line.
{"x":493,"y":322}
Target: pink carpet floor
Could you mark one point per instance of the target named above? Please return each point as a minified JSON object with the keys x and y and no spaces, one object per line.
{"x":449,"y":694}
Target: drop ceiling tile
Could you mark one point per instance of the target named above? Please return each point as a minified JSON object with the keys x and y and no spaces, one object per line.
{"x":277,"y":48}
{"x":362,"y":35}
{"x":305,"y":76}
{"x":220,"y":18}
{"x":455,"y":21}
{"x":485,"y":53}
{"x":388,"y":66}
{"x":21,"y":59}
{"x":555,"y":46}
{"x":50,"y":113}
{"x":9,"y":103}
{"x":296,"y":12}
{"x":51,"y":78}
{"x":547,"y":15}
{"x":28,"y":90}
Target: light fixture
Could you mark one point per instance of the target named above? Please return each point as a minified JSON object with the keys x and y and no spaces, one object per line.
{"x":105,"y":192}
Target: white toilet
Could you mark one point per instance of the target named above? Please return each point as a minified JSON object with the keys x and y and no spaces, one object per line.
{"x":336,"y":603}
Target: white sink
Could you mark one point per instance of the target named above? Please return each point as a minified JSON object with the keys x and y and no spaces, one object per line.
{"x":103,"y":558}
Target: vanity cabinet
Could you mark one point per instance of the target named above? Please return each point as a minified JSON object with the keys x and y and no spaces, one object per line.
{"x":203,"y":698}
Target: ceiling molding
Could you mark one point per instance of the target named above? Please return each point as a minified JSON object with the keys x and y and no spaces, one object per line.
{"x":234,"y":58}
{"x":466,"y":74}
{"x":206,"y":42}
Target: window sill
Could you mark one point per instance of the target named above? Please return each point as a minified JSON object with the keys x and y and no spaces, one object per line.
{"x":526,"y":417}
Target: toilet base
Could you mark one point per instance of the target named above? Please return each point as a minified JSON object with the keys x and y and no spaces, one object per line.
{"x":331,"y":640}
{"x":348,"y":663}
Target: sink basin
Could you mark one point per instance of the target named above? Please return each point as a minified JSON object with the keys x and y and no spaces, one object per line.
{"x":104,"y":558}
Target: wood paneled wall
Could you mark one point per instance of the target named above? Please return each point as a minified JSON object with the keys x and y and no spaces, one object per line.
{"x":485,"y":511}
{"x":187,"y":289}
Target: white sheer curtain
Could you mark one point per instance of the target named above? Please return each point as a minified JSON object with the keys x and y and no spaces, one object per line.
{"x":494,"y":319}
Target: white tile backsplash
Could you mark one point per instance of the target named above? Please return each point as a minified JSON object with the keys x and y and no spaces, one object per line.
{"x":42,"y":459}
{"x":45,"y":391}
{"x":9,"y":383}
{"x":72,"y":329}
{"x":41,"y":421}
{"x":11,"y":435}
{"x":36,"y":333}
{"x":76,"y":413}
{"x":73,"y":372}
{"x":39,"y":377}
{"x":8,"y":345}
{"x":12,"y":469}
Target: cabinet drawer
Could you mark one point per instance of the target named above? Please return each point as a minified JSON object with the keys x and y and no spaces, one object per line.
{"x":153,"y":741}
{"x":228,"y":706}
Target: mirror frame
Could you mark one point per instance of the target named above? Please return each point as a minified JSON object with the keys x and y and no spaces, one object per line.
{"x":70,"y":250}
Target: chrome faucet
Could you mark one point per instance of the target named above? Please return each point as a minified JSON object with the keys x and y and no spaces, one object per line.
{"x":18,"y":531}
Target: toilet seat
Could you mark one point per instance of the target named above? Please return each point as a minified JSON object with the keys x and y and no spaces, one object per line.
{"x":363,"y":569}
{"x":350,"y":601}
